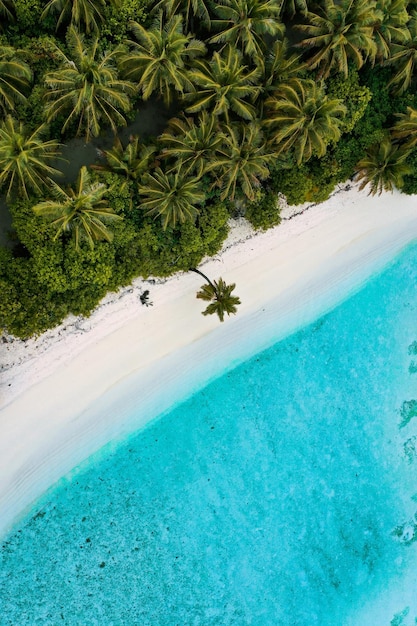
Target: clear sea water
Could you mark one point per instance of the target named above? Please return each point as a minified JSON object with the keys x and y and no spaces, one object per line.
{"x":268,"y":498}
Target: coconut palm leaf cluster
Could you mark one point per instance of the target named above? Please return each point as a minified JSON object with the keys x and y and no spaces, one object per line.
{"x":264,"y":99}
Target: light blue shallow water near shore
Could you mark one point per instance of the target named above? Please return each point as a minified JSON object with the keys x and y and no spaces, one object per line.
{"x":268,"y":498}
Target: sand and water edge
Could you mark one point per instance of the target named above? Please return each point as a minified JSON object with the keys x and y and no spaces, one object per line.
{"x":74,"y":389}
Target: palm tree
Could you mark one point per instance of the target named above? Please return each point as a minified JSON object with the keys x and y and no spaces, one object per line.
{"x":383,"y":167}
{"x":406,"y":127}
{"x":300,"y":117}
{"x":7,"y":11}
{"x":280,"y":67}
{"x":391,"y":27}
{"x":86,"y":89}
{"x":245,"y":23}
{"x":25,"y":158}
{"x":219,"y":294}
{"x":292,"y":7}
{"x":193,"y":145}
{"x":81,"y":13}
{"x":130,"y":162}
{"x":242,"y":161}
{"x":15,"y":78}
{"x":404,"y":59}
{"x":224,"y":84}
{"x":341,"y":32}
{"x":193,"y":11}
{"x":173,"y":196}
{"x":82,"y":211}
{"x":158,"y":59}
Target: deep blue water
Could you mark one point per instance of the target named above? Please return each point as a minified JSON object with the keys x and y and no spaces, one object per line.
{"x":269,"y":498}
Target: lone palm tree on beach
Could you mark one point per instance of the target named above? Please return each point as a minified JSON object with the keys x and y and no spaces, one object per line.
{"x":219,"y":294}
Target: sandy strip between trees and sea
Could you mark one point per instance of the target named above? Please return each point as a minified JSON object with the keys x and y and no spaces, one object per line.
{"x":91,"y":381}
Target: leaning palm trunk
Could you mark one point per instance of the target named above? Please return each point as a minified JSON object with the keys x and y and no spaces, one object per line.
{"x":218,"y":293}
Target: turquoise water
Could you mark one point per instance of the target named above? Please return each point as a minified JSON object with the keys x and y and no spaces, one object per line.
{"x":269,"y":498}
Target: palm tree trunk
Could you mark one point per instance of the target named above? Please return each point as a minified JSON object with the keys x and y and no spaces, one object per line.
{"x":194,"y":269}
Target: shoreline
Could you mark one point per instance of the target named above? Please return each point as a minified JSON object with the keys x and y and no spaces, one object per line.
{"x":61,"y":393}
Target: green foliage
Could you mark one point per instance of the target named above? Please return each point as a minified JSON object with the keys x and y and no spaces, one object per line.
{"x":27,"y":309}
{"x":117,"y":19}
{"x":410,"y":180}
{"x":379,"y":113}
{"x":355,"y":97}
{"x":161,"y":253}
{"x":42,"y":54}
{"x":264,"y":213}
{"x":28,"y":18}
{"x":43,"y":280}
{"x":293,"y":182}
{"x":312,"y":182}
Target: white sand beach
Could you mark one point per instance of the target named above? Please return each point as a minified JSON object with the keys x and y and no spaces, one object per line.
{"x":61,"y":394}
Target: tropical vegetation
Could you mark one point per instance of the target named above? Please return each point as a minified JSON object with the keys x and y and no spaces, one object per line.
{"x":256,"y":102}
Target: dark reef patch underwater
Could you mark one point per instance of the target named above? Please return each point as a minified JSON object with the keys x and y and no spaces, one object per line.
{"x":279,"y":495}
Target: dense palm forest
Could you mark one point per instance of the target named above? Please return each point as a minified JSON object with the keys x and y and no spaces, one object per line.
{"x":265,"y":98}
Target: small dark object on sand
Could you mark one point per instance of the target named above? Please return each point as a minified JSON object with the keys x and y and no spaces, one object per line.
{"x":144,"y":298}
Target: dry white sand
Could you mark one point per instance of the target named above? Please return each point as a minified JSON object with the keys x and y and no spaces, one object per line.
{"x":75,"y":388}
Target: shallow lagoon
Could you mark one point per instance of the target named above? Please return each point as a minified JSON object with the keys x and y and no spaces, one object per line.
{"x":268,"y":498}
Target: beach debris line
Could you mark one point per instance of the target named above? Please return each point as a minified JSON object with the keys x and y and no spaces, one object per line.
{"x":219,"y":294}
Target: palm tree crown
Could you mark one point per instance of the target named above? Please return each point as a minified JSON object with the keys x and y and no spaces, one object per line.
{"x":192,"y":144}
{"x":383,"y":167}
{"x":342,"y":32}
{"x":406,"y":127}
{"x":242,"y":161}
{"x":244,"y":24}
{"x":173,"y":196}
{"x":24,"y":158}
{"x":192,"y":11}
{"x":390,"y":27}
{"x":82,"y":211}
{"x":219,"y":294}
{"x":86,"y":89}
{"x":301,"y":117}
{"x":404,"y":58}
{"x":7,"y":11}
{"x":15,"y":77}
{"x":86,"y":14}
{"x":130,"y":162}
{"x":159,"y":57}
{"x":224,"y":84}
{"x":279,"y":66}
